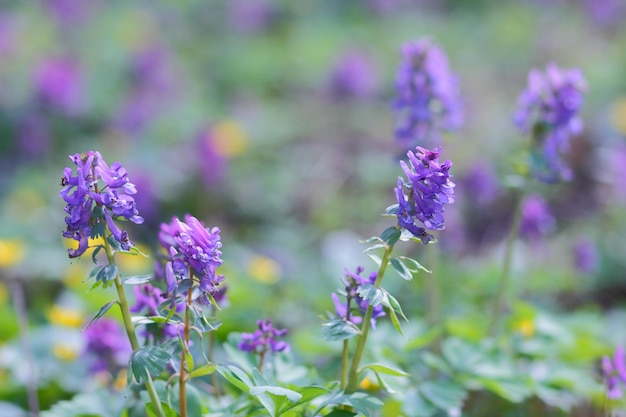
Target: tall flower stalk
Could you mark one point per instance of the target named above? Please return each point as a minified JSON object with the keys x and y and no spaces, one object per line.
{"x":421,"y":198}
{"x":96,"y":196}
{"x":548,"y":110}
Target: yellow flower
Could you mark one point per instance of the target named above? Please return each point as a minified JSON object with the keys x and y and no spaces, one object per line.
{"x":228,"y":138}
{"x":120,"y":382}
{"x":66,"y":317}
{"x":93,"y":242}
{"x":264,"y":269}
{"x":368,"y":384}
{"x":12,"y":252}
{"x":65,"y":352}
{"x":526,"y":327}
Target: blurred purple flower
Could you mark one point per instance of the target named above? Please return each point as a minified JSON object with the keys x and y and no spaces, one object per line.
{"x":33,"y":135}
{"x":250,"y":16}
{"x":107,"y":344}
{"x":59,"y":85}
{"x":428,"y":188}
{"x":193,"y":249}
{"x":353,"y":282}
{"x":537,"y":221}
{"x":147,"y":299}
{"x":153,"y":82}
{"x":481,"y":184}
{"x":614,"y":372}
{"x":427,"y":95}
{"x":606,"y":13}
{"x":213,"y":164}
{"x":353,"y":76}
{"x":585,"y":256}
{"x":264,"y":339}
{"x":69,"y":12}
{"x":548,"y":109}
{"x":106,"y":187}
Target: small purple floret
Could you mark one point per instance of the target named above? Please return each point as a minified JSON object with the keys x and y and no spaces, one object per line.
{"x":264,"y":339}
{"x":614,"y":372}
{"x":353,"y":281}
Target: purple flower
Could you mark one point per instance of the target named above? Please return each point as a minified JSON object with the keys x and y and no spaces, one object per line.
{"x":148,"y":299}
{"x":353,"y":76}
{"x":585,"y":256}
{"x":428,"y":188}
{"x":194,"y":254}
{"x":264,"y":339}
{"x":250,"y":16}
{"x":427,"y":94}
{"x":537,"y":221}
{"x":59,"y":84}
{"x":353,"y":282}
{"x":106,"y":187}
{"x":614,"y":372}
{"x":548,"y":109}
{"x":481,"y":184}
{"x":70,"y":12}
{"x":107,"y":344}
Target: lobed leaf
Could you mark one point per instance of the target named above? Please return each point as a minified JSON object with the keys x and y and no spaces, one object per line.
{"x":339,"y":330}
{"x":147,"y":361}
{"x":137,"y":279}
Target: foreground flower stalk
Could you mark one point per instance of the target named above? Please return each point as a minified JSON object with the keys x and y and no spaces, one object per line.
{"x":129,"y":328}
{"x":182,"y":382}
{"x":353,"y":373}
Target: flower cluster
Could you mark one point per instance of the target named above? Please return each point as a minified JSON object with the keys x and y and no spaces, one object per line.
{"x":548,"y":109}
{"x":353,"y":282}
{"x":614,"y":371}
{"x":428,"y":188}
{"x":148,"y":298}
{"x":537,"y":221}
{"x":427,"y":94}
{"x":95,"y":195}
{"x":193,"y":255}
{"x":108,"y":344}
{"x":264,"y":339}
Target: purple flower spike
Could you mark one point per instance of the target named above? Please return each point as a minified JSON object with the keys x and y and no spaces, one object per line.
{"x":537,"y":221}
{"x":427,"y":96}
{"x":264,"y":339}
{"x":195,"y":250}
{"x":428,"y":188}
{"x":344,"y":310}
{"x":548,"y":109}
{"x":107,"y":188}
{"x":614,"y":372}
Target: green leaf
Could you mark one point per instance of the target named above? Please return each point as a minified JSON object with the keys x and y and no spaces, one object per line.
{"x":308,"y":393}
{"x":149,"y":360}
{"x":270,"y":403}
{"x":115,"y":245}
{"x":372,"y":294}
{"x":204,"y":324}
{"x":396,"y":322}
{"x":401,"y":269}
{"x":151,"y":319}
{"x":444,"y":395}
{"x":413,"y":265}
{"x":137,"y":279}
{"x":236,"y":377}
{"x":101,"y":404}
{"x":100,"y":313}
{"x":392,"y":304}
{"x":424,"y":339}
{"x":340,"y":413}
{"x":291,"y":395}
{"x":392,"y":210}
{"x":339,"y":330}
{"x":206,"y":369}
{"x":95,"y":253}
{"x":512,"y":389}
{"x":461,"y":355}
{"x":103,"y":274}
{"x":362,"y":403}
{"x":167,"y":410}
{"x":391,"y":235}
{"x":383,"y":369}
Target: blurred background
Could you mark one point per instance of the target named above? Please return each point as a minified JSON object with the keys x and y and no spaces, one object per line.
{"x":272,"y":120}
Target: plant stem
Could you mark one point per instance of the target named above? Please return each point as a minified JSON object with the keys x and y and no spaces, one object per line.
{"x":503,"y":283}
{"x":130,"y":329}
{"x":17,"y":291}
{"x":360,"y":347}
{"x":432,"y":288}
{"x":182,"y":382}
{"x":344,"y":365}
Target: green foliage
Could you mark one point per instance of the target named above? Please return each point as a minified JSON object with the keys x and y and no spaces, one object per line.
{"x":147,"y":361}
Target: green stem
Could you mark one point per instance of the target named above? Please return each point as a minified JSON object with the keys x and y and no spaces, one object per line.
{"x":182,"y":382}
{"x":501,"y":294}
{"x":360,"y":347}
{"x":344,"y":364}
{"x":130,"y":329}
{"x":432,"y":288}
